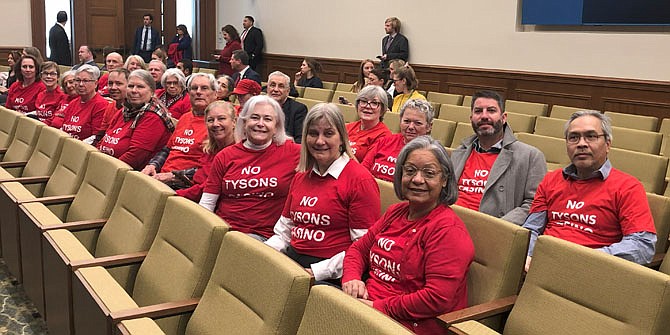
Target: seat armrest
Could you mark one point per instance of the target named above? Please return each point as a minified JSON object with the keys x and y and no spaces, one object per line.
{"x":156,"y":311}
{"x":54,"y":200}
{"x":13,"y":164}
{"x":27,"y":180}
{"x":478,"y":312}
{"x":656,"y":260}
{"x":75,"y":225}
{"x":110,"y":261}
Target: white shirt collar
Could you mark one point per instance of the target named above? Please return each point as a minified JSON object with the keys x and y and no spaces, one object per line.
{"x":243,"y":71}
{"x":335,"y":169}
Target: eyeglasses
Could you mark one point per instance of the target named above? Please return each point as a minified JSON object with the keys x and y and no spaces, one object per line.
{"x":84,"y":81}
{"x":49,"y":74}
{"x":372,"y":104}
{"x":171,"y":83}
{"x":574,"y":138}
{"x":427,"y":173}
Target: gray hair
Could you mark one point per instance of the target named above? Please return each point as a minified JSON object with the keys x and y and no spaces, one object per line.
{"x":280,"y":74}
{"x":422,"y":106}
{"x":449,"y":193}
{"x":371,"y":92}
{"x":94,"y":71}
{"x":331,"y":113}
{"x":145,"y":76}
{"x":605,"y":122}
{"x":160,"y":64}
{"x":213,"y":84}
{"x":249,"y":107}
{"x":176,"y":73}
{"x":137,"y":58}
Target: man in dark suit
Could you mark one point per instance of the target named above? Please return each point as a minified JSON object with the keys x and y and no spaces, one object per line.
{"x":279,"y":85}
{"x":146,"y":39}
{"x":395,"y":44}
{"x":58,"y":41}
{"x":239,"y":61}
{"x":252,"y":41}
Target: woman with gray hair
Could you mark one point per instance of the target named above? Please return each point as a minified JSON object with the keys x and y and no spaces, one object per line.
{"x":316,"y":233}
{"x":371,"y":104}
{"x":418,"y":254}
{"x":82,"y":118}
{"x":174,"y":95}
{"x":416,"y":119}
{"x":249,"y":180}
{"x":143,"y":126}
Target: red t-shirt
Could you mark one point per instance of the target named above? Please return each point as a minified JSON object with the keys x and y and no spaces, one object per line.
{"x":595,"y":212}
{"x":382,"y":156}
{"x":253,"y":185}
{"x":47,"y":103}
{"x":362,"y":140}
{"x":22,"y":99}
{"x":135,"y":146}
{"x":194,"y":192}
{"x":473,"y":179}
{"x":109,"y":114}
{"x":324,"y":209}
{"x":179,"y":107}
{"x":59,"y":114}
{"x":103,"y":88}
{"x":186,"y":143}
{"x":81,"y":120}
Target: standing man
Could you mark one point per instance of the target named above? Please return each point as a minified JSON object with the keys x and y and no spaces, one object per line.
{"x":239,"y":62}
{"x":590,"y":202}
{"x":395,"y":44}
{"x":496,"y":174}
{"x":58,"y":41}
{"x":146,"y":39}
{"x":252,"y":41}
{"x":86,"y":57}
{"x":279,"y":85}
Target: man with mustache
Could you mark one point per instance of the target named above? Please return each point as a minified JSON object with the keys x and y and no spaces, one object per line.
{"x":591,"y":203}
{"x":496,"y":173}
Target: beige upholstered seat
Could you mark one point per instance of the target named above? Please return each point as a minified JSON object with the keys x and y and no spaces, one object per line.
{"x":253,"y":290}
{"x":564,"y":112}
{"x":467,"y":101}
{"x":463,"y":131}
{"x":445,"y":98}
{"x":641,"y":122}
{"x":308,"y":102}
{"x":521,"y":122}
{"x":321,"y":94}
{"x":330,"y":311}
{"x":63,"y":182}
{"x":649,"y":169}
{"x":455,"y":113}
{"x":386,"y":194}
{"x":392,"y":121}
{"x":637,"y":140}
{"x":22,"y":146}
{"x":500,"y":255}
{"x":8,"y":121}
{"x":571,"y":289}
{"x":348,"y":113}
{"x":553,"y":148}
{"x":443,"y":131}
{"x":660,"y":210}
{"x":329,"y":85}
{"x":176,"y":268}
{"x":343,"y":87}
{"x":523,"y":107}
{"x":94,"y":200}
{"x":131,"y":227}
{"x":350,"y":96}
{"x":549,"y":126}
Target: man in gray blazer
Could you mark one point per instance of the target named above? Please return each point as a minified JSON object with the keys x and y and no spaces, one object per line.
{"x":496,"y":174}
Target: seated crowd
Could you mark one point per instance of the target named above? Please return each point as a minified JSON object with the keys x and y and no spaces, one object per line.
{"x":304,"y":182}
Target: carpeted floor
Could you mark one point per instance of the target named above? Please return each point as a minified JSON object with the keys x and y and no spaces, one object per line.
{"x":17,"y":313}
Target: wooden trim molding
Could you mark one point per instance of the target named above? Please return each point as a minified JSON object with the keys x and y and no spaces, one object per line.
{"x":643,"y":97}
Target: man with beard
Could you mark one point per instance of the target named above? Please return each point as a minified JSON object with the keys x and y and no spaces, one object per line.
{"x":496,"y":174}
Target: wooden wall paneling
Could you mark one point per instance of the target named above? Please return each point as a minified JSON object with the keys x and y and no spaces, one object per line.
{"x":38,"y":24}
{"x":5,"y":50}
{"x":206,"y":18}
{"x":169,"y":20}
{"x":103,"y":20}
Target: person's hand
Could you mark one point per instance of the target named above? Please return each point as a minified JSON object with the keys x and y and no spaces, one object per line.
{"x":3,"y":89}
{"x":298,"y":75}
{"x":309,"y":270}
{"x":164,"y":177}
{"x":217,"y":57}
{"x":149,"y":170}
{"x":366,"y":301}
{"x":355,"y":288}
{"x":527,"y":266}
{"x":383,"y":57}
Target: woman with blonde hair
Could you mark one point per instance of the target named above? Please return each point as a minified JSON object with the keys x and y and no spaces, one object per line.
{"x":134,"y":62}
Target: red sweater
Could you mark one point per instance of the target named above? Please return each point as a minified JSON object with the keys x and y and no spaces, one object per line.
{"x":81,"y":120}
{"x":431,"y":267}
{"x":324,"y":209}
{"x":252,"y":185}
{"x":382,"y":156}
{"x":362,"y":140}
{"x":47,"y":103}
{"x":22,"y":99}
{"x":226,"y":54}
{"x":135,"y":146}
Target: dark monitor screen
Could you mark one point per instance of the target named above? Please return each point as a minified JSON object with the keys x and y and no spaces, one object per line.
{"x":596,"y":12}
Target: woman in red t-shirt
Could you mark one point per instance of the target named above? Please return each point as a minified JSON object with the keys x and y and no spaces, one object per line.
{"x":233,"y":43}
{"x":142,"y":128}
{"x":332,"y":202}
{"x":23,"y":92}
{"x":174,"y":96}
{"x":416,"y":119}
{"x":418,"y":254}
{"x":220,"y":120}
{"x":249,"y":180}
{"x":371,"y":104}
{"x":51,"y":99}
